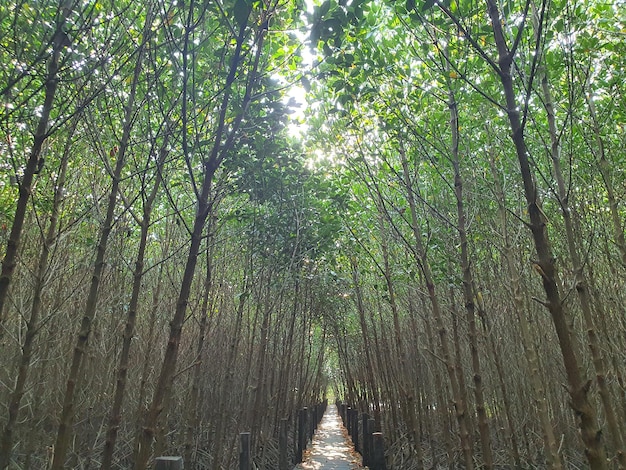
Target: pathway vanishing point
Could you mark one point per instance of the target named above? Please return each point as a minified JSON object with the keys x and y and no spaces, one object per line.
{"x":330,"y":449}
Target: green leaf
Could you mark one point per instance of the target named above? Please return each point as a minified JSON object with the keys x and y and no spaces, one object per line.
{"x":339,"y":85}
{"x":306,"y":84}
{"x":242,"y":11}
{"x":324,"y":7}
{"x":428,"y":4}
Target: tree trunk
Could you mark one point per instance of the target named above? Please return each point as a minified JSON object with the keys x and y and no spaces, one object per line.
{"x":545,"y":264}
{"x":66,"y":421}
{"x":553,"y":460}
{"x":33,"y":324}
{"x":582,"y":288}
{"x":371,"y":377}
{"x":406,"y":395}
{"x":148,"y":353}
{"x":468,"y":282}
{"x":217,"y":154}
{"x":192,"y":412}
{"x":605,"y":171}
{"x":115,"y":417}
{"x":59,"y":42}
{"x":442,"y":393}
{"x":459,"y":404}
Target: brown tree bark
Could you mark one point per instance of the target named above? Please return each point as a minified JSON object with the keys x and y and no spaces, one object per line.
{"x":219,"y":150}
{"x":545,"y":264}
{"x":441,"y":392}
{"x":468,"y":282}
{"x":64,"y":432}
{"x":539,"y":396}
{"x":33,"y":324}
{"x":406,"y":394}
{"x":605,"y":171}
{"x":115,"y":417}
{"x":360,"y":305}
{"x":582,"y":288}
{"x":59,"y":43}
{"x":500,"y":371}
{"x":192,"y":411}
{"x":421,"y":256}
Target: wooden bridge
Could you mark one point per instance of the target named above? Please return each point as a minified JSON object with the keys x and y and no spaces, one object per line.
{"x":329,"y":437}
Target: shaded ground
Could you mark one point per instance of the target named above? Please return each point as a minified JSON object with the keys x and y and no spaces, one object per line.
{"x":331,"y":448}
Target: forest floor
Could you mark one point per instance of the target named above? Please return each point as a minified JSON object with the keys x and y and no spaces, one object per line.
{"x":331,"y":448}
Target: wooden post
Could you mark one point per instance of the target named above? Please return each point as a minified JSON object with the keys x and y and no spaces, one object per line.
{"x":302,"y":437}
{"x":378,"y":457}
{"x":244,"y":456}
{"x":311,"y":423}
{"x":365,"y":444}
{"x":168,"y":463}
{"x":371,"y":428}
{"x":348,"y":422}
{"x":316,"y":414}
{"x":355,"y":431}
{"x":283,"y":464}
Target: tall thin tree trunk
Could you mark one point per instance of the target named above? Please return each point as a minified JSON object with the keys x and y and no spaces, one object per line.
{"x":66,"y":420}
{"x":442,"y":392}
{"x":59,"y":42}
{"x":582,"y":288}
{"x":506,"y":399}
{"x":226,"y":388}
{"x":218,"y":152}
{"x":33,"y":325}
{"x":67,"y":415}
{"x":539,"y":396}
{"x":407,"y":397}
{"x":371,"y":377}
{"x":605,"y":171}
{"x":148,"y":353}
{"x":192,"y":415}
{"x":115,"y":416}
{"x":285,"y":373}
{"x":459,"y":404}
{"x":545,"y":264}
{"x":458,"y":361}
{"x":468,"y":282}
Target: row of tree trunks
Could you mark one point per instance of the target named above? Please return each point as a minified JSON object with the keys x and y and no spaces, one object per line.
{"x":114,"y":253}
{"x":424,"y":217}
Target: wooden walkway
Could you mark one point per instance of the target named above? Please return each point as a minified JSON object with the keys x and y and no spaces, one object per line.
{"x":331,"y":448}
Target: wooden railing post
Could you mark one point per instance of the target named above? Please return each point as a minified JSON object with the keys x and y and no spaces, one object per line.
{"x":282,"y":445}
{"x":244,"y":456}
{"x":365,"y":445}
{"x":355,"y":431}
{"x":311,"y":422}
{"x":378,"y":457}
{"x":302,"y":434}
{"x":371,"y":428}
{"x":349,"y":414}
{"x":168,"y":463}
{"x":320,"y":412}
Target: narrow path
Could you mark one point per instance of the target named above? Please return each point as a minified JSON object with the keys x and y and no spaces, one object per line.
{"x":331,"y":448}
